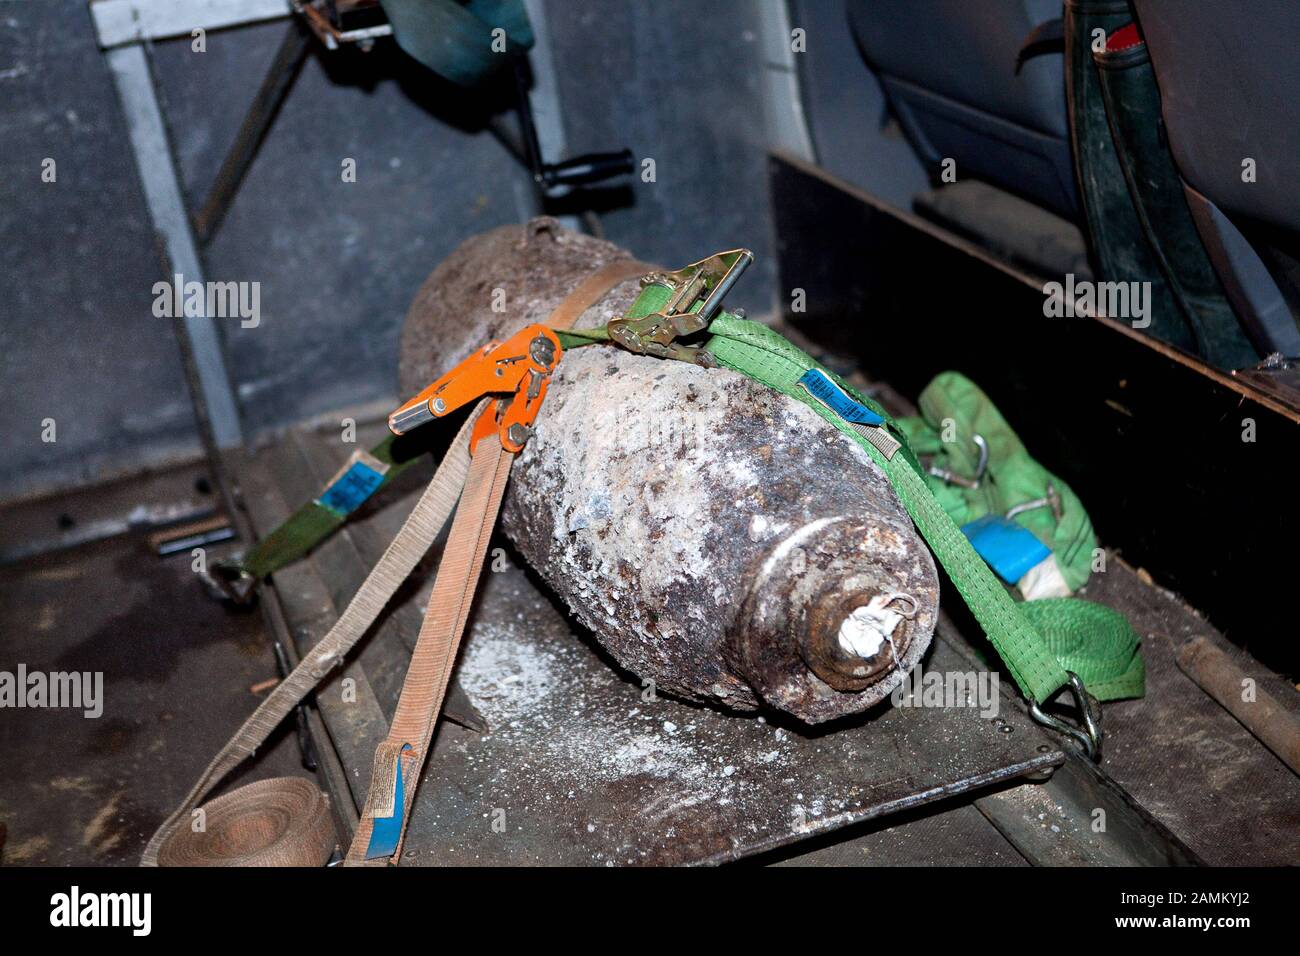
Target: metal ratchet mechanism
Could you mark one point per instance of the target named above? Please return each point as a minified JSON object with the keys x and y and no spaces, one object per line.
{"x":519,"y":368}
{"x":1089,"y":735}
{"x":691,"y":298}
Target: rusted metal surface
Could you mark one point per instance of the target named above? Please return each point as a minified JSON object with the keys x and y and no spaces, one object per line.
{"x":494,"y":284}
{"x":718,"y":538}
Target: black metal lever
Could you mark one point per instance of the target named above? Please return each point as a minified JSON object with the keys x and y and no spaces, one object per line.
{"x":587,"y":168}
{"x":578,"y":171}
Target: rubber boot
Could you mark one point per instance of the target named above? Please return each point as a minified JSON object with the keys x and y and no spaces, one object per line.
{"x":1132,"y":99}
{"x":1116,"y":240}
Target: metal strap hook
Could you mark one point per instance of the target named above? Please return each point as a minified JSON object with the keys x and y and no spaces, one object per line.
{"x":1090,"y":736}
{"x":952,"y":478}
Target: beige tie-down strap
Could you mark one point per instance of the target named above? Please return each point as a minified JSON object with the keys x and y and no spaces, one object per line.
{"x":416,"y":536}
{"x":281,"y":821}
{"x":427,"y":678}
{"x":411,"y":733}
{"x":427,"y":675}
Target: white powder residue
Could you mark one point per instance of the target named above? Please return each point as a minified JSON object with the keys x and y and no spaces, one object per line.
{"x":506,"y":679}
{"x":520,"y":688}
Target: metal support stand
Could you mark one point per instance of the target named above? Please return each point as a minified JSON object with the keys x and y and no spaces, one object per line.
{"x":275,"y":87}
{"x":130,"y":68}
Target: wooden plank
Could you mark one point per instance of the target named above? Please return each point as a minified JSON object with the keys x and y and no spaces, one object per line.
{"x":1182,"y":756}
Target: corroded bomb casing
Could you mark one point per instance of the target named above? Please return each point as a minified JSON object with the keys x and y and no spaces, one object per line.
{"x":715,"y":536}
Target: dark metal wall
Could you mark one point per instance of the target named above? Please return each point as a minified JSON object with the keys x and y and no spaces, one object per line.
{"x":337,"y":262}
{"x":848,"y":118}
{"x":678,"y":82}
{"x":77,"y":261}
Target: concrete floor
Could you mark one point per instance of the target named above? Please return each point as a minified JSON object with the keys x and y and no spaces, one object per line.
{"x":177,"y":670}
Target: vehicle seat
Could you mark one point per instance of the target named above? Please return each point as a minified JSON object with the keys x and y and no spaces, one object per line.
{"x":1228,"y":72}
{"x":949,"y":70}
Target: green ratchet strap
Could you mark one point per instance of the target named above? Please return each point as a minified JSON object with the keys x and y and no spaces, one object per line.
{"x":977,"y":466}
{"x":1039,"y":641}
{"x":572,"y":338}
{"x":363,"y":475}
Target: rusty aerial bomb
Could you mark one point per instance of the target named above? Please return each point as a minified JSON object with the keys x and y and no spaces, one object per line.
{"x":715,"y":536}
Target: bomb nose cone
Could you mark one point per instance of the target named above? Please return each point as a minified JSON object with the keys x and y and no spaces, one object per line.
{"x":837,"y":614}
{"x":852,"y":639}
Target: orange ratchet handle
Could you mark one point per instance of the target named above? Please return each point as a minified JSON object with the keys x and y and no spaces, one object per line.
{"x":520,"y":367}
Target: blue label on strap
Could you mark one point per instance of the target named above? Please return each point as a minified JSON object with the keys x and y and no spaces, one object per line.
{"x":820,"y":387}
{"x":349,"y":490}
{"x":1005,"y":546}
{"x":387,"y":831}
